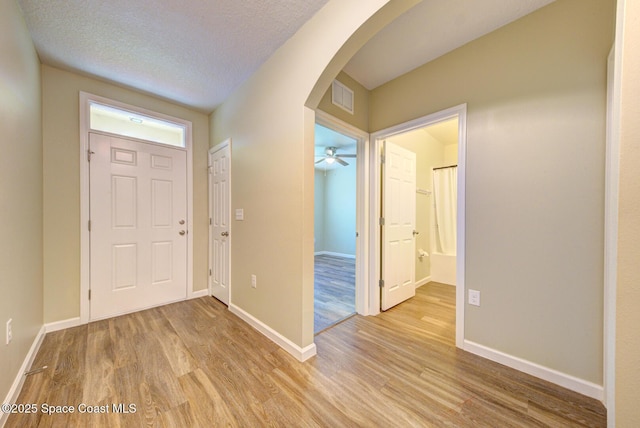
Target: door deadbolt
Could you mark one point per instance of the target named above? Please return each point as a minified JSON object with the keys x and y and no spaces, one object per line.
{"x":181,"y":222}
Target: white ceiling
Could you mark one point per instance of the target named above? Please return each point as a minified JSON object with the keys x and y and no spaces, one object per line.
{"x":429,"y":30}
{"x":197,"y":52}
{"x":325,"y":137}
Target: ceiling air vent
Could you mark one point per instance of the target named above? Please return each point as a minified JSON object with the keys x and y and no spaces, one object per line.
{"x":342,"y":96}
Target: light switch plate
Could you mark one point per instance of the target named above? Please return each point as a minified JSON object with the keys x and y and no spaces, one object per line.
{"x":239,"y":214}
{"x":9,"y":332}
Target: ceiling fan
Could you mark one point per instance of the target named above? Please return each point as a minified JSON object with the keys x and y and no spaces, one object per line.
{"x":330,"y":156}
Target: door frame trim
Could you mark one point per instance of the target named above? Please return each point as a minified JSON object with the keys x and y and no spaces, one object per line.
{"x":375,"y":261}
{"x":85,"y":260}
{"x":212,"y":150}
{"x":362,"y":203}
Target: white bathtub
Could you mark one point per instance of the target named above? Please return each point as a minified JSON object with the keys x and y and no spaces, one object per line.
{"x":443,"y":268}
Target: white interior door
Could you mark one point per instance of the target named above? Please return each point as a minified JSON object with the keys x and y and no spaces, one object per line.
{"x":220,"y":208}
{"x":138,"y":211}
{"x":399,"y":213}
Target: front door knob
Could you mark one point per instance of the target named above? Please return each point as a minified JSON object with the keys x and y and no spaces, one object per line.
{"x":225,"y":234}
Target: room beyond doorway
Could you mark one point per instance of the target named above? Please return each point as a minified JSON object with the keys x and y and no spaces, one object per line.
{"x":335,"y":230}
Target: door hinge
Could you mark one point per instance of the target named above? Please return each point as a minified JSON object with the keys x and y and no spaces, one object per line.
{"x":210,"y":221}
{"x":382,"y":159}
{"x":89,"y":153}
{"x":209,"y":272}
{"x":381,"y":221}
{"x":89,"y":225}
{"x":89,"y":294}
{"x":381,"y":283}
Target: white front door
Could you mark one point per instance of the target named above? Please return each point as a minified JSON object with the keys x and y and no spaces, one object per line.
{"x":138,"y":212}
{"x":220,"y":203}
{"x":399,"y":213}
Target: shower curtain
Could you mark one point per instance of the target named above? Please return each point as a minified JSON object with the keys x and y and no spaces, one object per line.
{"x":445,"y":197}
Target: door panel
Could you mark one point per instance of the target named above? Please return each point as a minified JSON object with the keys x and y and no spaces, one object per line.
{"x":138,"y":245}
{"x":161,"y":203}
{"x":399,"y":212}
{"x":123,"y":202}
{"x":162,"y":262}
{"x":124,"y":270}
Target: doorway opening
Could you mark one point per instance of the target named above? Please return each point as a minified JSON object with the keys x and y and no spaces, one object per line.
{"x":417,"y":210}
{"x":219,"y":167}
{"x":338,"y":211}
{"x":436,"y":149}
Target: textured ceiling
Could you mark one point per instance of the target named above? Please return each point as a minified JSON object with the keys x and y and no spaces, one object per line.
{"x":198,"y":52}
{"x":192,"y":52}
{"x":429,"y":30}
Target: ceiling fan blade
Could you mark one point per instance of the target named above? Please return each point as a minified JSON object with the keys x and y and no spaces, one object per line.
{"x":346,"y":156}
{"x":321,"y":160}
{"x":340,"y":161}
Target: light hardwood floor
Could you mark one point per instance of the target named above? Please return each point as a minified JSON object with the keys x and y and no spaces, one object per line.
{"x":334,"y":290}
{"x":195,"y":364}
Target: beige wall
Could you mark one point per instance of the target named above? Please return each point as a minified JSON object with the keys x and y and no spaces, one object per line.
{"x":628,"y":291}
{"x":451,"y":154}
{"x":267,"y":120}
{"x":20,"y":192}
{"x":318,"y":210}
{"x":360,"y":116}
{"x":535,"y":177}
{"x":339,"y":208}
{"x":61,"y":143}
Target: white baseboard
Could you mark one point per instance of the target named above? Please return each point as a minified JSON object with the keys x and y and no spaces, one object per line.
{"x":16,"y":387}
{"x":423,"y":281}
{"x":567,"y":381}
{"x":199,"y":293}
{"x":332,"y":253}
{"x":301,"y":354}
{"x":61,"y":325}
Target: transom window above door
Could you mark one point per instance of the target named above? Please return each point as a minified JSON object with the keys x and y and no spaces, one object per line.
{"x":118,"y":121}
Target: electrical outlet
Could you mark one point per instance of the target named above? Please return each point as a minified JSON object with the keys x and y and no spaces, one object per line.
{"x":474,"y":297}
{"x":9,"y":331}
{"x":254,"y":281}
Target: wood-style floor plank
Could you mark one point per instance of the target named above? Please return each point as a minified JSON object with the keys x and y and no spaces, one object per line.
{"x":199,"y":389}
{"x":195,"y":364}
{"x":334,"y":290}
